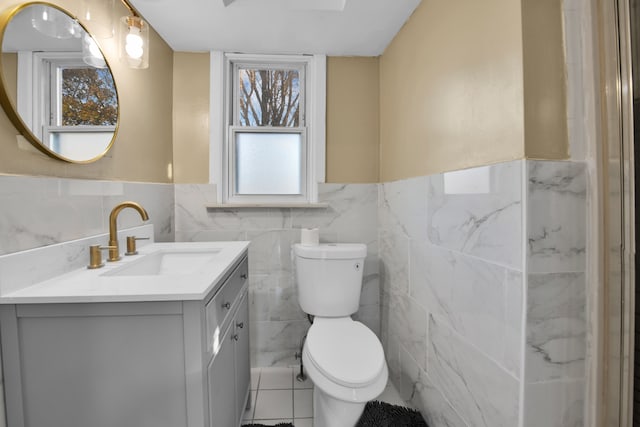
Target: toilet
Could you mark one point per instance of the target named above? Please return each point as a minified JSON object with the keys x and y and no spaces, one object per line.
{"x":343,"y":358}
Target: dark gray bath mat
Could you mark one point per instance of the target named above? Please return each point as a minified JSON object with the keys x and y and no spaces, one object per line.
{"x":380,"y":414}
{"x":263,"y":425}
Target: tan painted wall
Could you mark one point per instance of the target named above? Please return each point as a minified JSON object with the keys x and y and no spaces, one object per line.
{"x":545,"y":108}
{"x":10,"y":73}
{"x":352,"y":119}
{"x":191,"y":117}
{"x":143,"y":148}
{"x":468,"y":83}
{"x":464,"y":83}
{"x":451,"y":92}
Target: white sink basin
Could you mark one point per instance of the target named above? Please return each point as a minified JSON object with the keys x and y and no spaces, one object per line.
{"x":166,"y":263}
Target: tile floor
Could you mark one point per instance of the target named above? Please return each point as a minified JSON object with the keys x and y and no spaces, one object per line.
{"x":278,"y":397}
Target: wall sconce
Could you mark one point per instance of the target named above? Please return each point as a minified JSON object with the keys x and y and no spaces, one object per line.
{"x":133,"y":31}
{"x":133,"y":39}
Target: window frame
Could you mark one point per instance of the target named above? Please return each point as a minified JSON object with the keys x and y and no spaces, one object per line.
{"x":38,"y":70}
{"x":223,"y":120}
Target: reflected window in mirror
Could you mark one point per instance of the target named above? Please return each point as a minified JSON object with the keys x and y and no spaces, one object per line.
{"x":75,"y":111}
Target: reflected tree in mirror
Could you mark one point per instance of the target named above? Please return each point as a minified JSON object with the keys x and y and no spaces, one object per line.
{"x":88,"y":97}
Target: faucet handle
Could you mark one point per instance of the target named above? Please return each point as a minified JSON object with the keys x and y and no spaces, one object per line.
{"x":95,"y":256}
{"x":131,"y":244}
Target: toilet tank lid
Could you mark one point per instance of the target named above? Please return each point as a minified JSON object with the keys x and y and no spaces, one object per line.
{"x":331,"y":251}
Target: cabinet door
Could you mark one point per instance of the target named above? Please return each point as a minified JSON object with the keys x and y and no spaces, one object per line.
{"x":222,"y":390}
{"x":220,"y":308}
{"x":95,"y":365}
{"x":243,"y":368}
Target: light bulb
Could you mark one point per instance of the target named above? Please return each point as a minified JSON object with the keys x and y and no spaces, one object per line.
{"x":93,"y":49}
{"x":134,"y":44}
{"x":76,"y":30}
{"x":91,"y":53}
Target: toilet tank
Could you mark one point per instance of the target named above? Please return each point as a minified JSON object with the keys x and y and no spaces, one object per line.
{"x":329,"y":278}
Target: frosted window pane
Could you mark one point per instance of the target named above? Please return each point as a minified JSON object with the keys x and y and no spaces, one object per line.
{"x":80,"y":145}
{"x":268,"y":163}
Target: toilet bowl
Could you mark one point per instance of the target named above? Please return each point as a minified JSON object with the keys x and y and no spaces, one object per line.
{"x":343,"y":358}
{"x":345,"y":361}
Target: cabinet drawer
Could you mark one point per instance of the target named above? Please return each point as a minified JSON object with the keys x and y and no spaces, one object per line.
{"x":222,"y":305}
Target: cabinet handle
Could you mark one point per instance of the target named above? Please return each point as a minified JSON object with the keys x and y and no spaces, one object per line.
{"x":226,"y":305}
{"x":243,"y":276}
{"x":234,"y":337}
{"x":240,"y":325}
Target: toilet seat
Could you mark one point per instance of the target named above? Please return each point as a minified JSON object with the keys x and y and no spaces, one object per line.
{"x":345,"y":351}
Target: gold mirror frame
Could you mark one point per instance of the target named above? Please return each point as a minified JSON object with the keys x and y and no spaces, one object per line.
{"x":10,"y":109}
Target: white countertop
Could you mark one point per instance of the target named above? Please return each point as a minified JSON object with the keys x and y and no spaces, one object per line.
{"x":90,"y":286}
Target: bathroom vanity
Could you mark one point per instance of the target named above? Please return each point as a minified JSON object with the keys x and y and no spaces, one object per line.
{"x":160,"y":339}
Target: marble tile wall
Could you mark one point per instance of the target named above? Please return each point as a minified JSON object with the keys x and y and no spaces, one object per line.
{"x":19,"y":270}
{"x":556,"y":331}
{"x":474,"y":279}
{"x":277,"y":323}
{"x":451,"y":274}
{"x":482,"y":284}
{"x":39,"y":211}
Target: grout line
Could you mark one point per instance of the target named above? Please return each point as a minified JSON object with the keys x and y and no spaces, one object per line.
{"x":255,"y":404}
{"x":524,"y":189}
{"x":293,"y":403}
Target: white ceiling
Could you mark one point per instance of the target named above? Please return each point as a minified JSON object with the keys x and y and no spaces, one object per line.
{"x":332,"y":27}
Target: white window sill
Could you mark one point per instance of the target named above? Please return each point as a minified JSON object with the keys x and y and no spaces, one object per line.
{"x":267,"y":205}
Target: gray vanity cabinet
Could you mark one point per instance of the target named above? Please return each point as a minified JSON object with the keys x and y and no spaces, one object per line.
{"x":142,"y":364}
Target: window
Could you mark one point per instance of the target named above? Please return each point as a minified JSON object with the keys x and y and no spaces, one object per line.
{"x":268,"y":135}
{"x":75,"y":108}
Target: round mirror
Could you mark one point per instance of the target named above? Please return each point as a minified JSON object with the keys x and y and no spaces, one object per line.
{"x":56,"y":86}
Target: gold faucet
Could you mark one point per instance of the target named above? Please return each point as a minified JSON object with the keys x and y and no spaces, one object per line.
{"x":114,"y":251}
